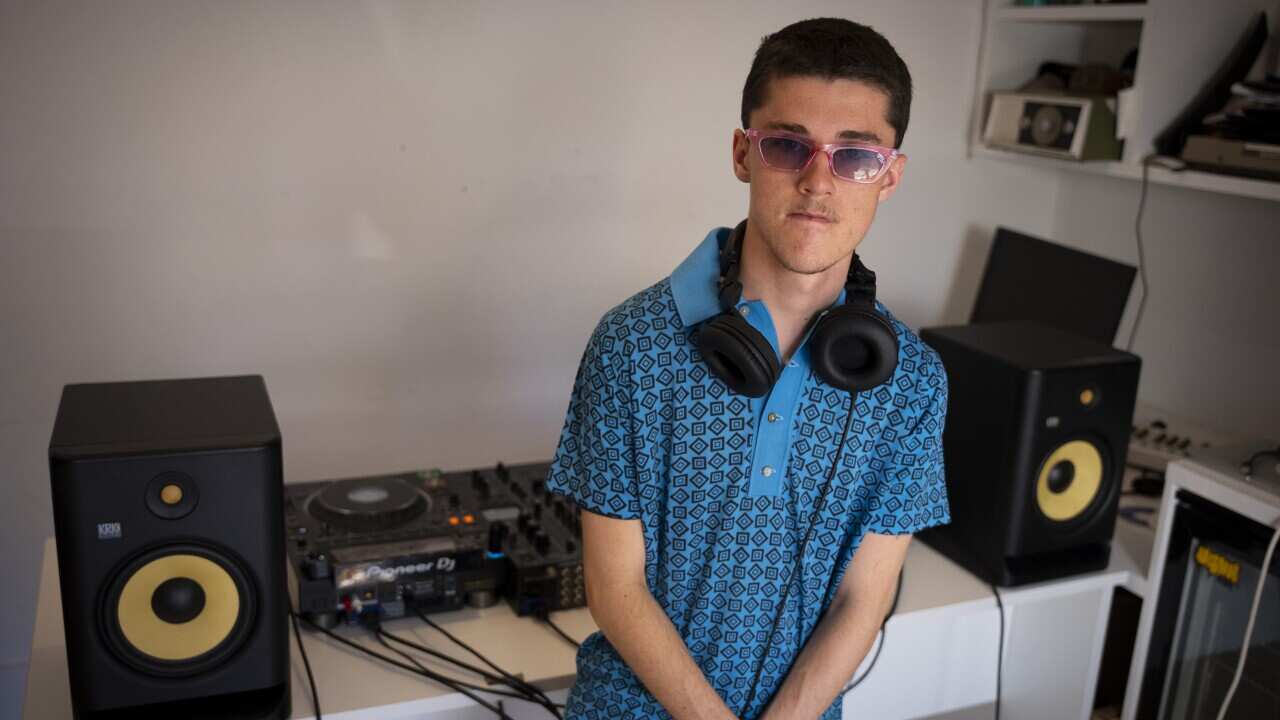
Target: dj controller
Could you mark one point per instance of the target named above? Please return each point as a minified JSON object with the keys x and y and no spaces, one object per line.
{"x":428,"y":541}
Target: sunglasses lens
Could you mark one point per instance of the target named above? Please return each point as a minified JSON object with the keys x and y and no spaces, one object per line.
{"x":858,"y":164}
{"x":785,"y":153}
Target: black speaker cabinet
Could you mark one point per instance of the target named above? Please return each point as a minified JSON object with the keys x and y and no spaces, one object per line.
{"x":167,"y":503}
{"x":1037,"y":429}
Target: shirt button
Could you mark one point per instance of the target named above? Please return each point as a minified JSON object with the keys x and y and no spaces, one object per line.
{"x":767,"y":471}
{"x":744,"y":310}
{"x":793,"y":363}
{"x":773,"y":417}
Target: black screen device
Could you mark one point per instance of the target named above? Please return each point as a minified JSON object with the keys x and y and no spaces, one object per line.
{"x":1034,"y":280}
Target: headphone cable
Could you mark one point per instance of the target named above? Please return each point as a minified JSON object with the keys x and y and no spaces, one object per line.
{"x":804,"y":544}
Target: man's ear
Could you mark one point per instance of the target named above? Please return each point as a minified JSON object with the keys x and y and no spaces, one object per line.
{"x":892,"y":177}
{"x":741,"y":146}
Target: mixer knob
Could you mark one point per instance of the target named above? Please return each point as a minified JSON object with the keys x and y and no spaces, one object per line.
{"x":497,"y":537}
{"x":316,"y":566}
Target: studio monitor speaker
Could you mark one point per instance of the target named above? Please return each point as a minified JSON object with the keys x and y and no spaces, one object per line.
{"x":167,"y":500}
{"x":1037,"y":429}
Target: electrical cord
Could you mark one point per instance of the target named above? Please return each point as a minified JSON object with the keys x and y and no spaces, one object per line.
{"x":786,"y":589}
{"x":546,"y":618}
{"x":514,"y":681}
{"x":384,"y":635}
{"x":1171,"y":164}
{"x":999,"y":648}
{"x":1142,"y":262}
{"x":416,"y":670}
{"x":1253,"y":615}
{"x":306,"y":663}
{"x":524,"y":690}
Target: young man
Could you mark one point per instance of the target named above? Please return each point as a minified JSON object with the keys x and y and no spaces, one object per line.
{"x":725,"y":584}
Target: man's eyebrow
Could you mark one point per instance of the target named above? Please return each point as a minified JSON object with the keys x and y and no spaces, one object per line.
{"x":855,"y":135}
{"x":861,"y":136}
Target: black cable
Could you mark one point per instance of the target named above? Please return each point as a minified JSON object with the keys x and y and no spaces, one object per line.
{"x":460,"y":664}
{"x":383,"y":635}
{"x":488,"y":676}
{"x":306,"y":663}
{"x":1142,"y":262}
{"x":447,"y":682}
{"x":999,"y":648}
{"x":531,"y":694}
{"x":804,"y":544}
{"x":511,"y":679}
{"x":858,"y":681}
{"x":547,"y":619}
{"x":884,"y":625}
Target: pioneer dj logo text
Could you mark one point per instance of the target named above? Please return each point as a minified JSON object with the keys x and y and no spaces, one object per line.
{"x":444,"y":564}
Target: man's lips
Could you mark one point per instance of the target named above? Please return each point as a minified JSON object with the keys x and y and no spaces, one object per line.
{"x":816,"y":217}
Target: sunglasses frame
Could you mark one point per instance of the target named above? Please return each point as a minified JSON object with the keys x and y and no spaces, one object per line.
{"x":887,"y":154}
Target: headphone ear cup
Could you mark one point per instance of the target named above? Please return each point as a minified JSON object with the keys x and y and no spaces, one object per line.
{"x":854,"y":348}
{"x":738,"y":354}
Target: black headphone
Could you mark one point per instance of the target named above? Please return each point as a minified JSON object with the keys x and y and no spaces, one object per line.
{"x":853,"y":346}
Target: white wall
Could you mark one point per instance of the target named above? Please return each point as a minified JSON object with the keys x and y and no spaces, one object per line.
{"x":407,"y":217}
{"x":1210,"y":334}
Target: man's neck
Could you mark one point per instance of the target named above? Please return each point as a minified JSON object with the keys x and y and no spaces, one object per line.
{"x":792,"y":298}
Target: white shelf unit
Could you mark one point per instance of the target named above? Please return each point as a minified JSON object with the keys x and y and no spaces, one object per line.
{"x":1180,"y":44}
{"x":1073,"y":13}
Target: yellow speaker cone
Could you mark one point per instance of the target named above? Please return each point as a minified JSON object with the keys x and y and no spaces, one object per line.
{"x":150,"y":634}
{"x":1069,"y":480}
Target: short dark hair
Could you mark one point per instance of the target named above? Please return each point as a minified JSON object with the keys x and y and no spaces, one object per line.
{"x":831,"y":48}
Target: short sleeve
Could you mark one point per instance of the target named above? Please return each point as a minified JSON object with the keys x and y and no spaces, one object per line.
{"x":912,"y":488}
{"x":594,"y":464}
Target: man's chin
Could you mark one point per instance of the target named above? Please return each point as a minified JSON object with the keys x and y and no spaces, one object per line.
{"x":806,"y":265}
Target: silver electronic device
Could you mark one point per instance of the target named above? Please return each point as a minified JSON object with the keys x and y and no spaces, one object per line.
{"x":1071,"y":127}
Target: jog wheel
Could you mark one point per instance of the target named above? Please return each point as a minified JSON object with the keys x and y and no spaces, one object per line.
{"x":368,"y":504}
{"x":178,"y":610}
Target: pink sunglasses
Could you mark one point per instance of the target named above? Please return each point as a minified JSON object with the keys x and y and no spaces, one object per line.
{"x":852,"y":161}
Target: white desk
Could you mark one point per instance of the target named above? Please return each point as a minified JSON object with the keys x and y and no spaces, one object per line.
{"x":939,"y":655}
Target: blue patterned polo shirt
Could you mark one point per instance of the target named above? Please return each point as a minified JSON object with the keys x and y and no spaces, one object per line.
{"x":725,"y":485}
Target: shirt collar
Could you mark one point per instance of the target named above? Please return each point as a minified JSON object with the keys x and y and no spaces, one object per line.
{"x":694,"y":281}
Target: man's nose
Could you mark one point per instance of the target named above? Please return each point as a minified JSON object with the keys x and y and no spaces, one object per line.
{"x":816,"y":177}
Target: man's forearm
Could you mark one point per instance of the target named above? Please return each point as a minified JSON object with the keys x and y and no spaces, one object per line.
{"x":645,"y":638}
{"x":828,"y":660}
